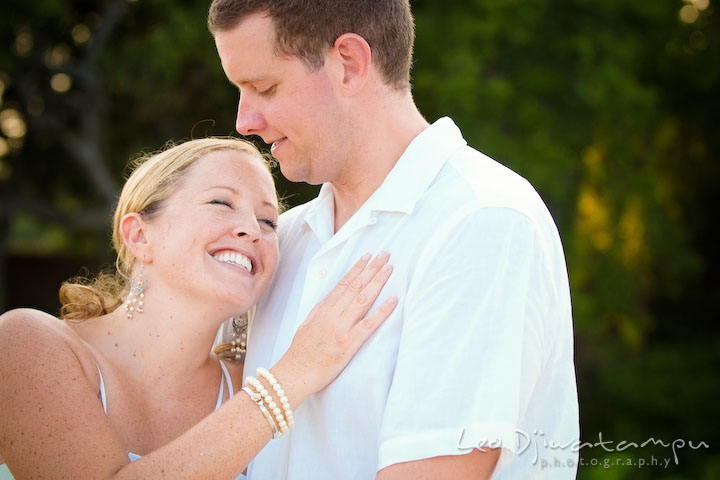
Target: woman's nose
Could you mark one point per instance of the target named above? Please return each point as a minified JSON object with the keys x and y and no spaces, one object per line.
{"x":247,"y":226}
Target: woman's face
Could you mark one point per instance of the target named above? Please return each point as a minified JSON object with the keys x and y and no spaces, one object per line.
{"x":215,"y":239}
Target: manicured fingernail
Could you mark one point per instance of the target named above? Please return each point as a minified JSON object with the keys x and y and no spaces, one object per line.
{"x":366,"y":257}
{"x":386,"y":268}
{"x":383,"y":255}
{"x":392,"y":300}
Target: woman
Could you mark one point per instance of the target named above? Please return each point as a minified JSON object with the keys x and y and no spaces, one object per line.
{"x":195,"y":235}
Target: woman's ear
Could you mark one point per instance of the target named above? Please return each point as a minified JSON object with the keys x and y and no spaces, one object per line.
{"x":355,"y":57}
{"x":134,"y":234}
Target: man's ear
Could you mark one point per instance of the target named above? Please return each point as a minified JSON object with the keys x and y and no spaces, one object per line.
{"x":134,"y":234}
{"x":355,"y":57}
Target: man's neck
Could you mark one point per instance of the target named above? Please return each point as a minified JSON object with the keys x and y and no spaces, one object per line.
{"x":383,"y":143}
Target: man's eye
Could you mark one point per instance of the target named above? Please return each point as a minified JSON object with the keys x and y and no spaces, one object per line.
{"x":267,"y":91}
{"x":221,"y":202}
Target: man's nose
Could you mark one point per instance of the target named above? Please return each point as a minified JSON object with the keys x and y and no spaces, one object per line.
{"x":250,"y":120}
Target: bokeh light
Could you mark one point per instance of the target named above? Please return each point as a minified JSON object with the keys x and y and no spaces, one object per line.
{"x":700,"y":4}
{"x":57,"y":56}
{"x":12,"y":123}
{"x":81,"y":34}
{"x":689,"y":14}
{"x":23,"y":43}
{"x":61,"y":82}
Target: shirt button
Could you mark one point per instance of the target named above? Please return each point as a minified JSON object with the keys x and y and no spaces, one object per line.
{"x":321,"y":272}
{"x":372,"y":221}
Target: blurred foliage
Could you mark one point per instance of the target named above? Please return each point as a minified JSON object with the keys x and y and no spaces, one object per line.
{"x":606,"y":107}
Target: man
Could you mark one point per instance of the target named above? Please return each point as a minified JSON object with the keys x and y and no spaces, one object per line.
{"x":472,"y":375}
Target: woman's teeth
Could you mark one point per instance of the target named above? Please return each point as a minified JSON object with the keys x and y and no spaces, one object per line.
{"x":235,"y":259}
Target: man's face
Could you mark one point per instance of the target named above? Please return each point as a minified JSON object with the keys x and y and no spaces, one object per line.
{"x":292,"y":109}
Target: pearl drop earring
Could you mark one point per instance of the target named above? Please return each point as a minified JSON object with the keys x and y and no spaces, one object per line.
{"x":136,"y":296}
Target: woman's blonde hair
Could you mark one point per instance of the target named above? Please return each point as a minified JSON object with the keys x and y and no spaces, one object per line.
{"x":154,"y":178}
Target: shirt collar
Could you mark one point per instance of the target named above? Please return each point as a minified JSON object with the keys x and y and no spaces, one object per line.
{"x":417,"y":167}
{"x":411,"y":176}
{"x":321,"y":214}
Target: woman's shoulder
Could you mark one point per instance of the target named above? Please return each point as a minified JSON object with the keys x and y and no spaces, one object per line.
{"x":25,"y":332}
{"x":22,"y":322}
{"x":39,"y":353}
{"x":27,"y":321}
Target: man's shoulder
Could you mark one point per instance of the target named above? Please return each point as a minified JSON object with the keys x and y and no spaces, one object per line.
{"x":471,"y":177}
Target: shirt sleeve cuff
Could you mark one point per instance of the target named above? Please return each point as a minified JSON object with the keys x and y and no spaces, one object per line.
{"x":452,"y":441}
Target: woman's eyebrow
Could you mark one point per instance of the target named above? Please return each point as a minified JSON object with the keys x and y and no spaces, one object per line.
{"x":224,"y":187}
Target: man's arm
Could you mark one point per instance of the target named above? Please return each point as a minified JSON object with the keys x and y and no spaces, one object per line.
{"x":473,"y":465}
{"x":470,"y":350}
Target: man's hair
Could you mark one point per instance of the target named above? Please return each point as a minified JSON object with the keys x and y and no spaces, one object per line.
{"x":308,"y":28}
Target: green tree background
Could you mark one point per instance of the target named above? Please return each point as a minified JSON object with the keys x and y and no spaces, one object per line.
{"x":609,"y":107}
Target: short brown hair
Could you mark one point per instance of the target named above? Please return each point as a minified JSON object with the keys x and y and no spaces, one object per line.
{"x":307,"y":28}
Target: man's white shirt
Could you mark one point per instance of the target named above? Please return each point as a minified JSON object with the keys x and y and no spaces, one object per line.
{"x":478,"y":352}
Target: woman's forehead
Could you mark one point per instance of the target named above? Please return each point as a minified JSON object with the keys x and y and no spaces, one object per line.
{"x":231,"y":168}
{"x":231,"y":163}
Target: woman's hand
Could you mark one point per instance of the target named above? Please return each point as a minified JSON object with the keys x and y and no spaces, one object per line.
{"x":335,"y":329}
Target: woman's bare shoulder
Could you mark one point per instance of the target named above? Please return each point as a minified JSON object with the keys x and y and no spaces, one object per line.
{"x":25,"y":332}
{"x":50,"y":386}
{"x":27,"y":324}
{"x":26,"y":321}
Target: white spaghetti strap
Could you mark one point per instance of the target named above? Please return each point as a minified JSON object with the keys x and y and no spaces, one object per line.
{"x":220,"y":395}
{"x":103,"y":399}
{"x":231,"y":391}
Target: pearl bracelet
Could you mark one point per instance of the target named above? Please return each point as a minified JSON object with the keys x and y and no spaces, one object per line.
{"x":287,"y":412}
{"x":279,"y":419}
{"x":255,"y":397}
{"x":283,"y":417}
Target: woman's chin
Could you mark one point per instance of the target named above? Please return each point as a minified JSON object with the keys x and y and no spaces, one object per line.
{"x":238,"y":306}
{"x":224,"y":302}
